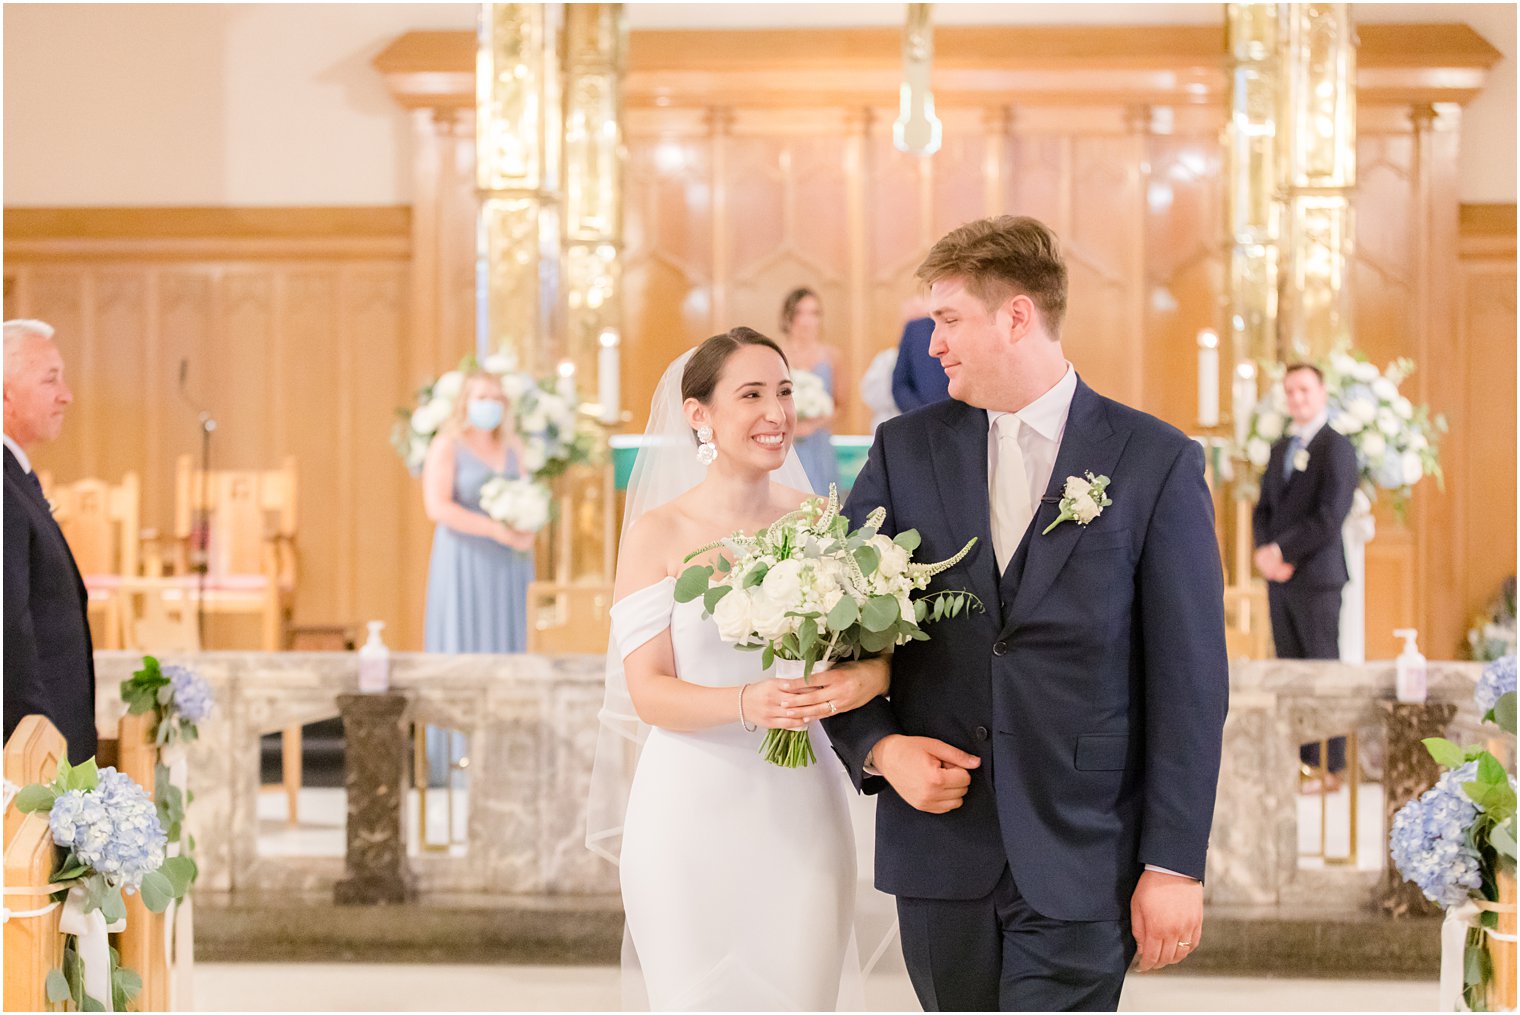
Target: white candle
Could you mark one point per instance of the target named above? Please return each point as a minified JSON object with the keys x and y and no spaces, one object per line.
{"x":1208,"y":378}
{"x":1243,"y":399}
{"x":608,"y":376}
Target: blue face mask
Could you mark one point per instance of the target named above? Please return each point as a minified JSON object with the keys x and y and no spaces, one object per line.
{"x":485,"y":413}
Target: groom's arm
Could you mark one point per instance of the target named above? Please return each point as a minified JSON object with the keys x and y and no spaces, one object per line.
{"x":1181,"y":593}
{"x":856,"y":732}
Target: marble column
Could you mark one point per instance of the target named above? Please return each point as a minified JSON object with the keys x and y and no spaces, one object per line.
{"x":375,"y":746}
{"x":1408,"y":772}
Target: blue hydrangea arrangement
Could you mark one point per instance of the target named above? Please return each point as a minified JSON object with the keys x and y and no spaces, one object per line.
{"x":179,"y":697}
{"x":113,"y":843}
{"x":1459,"y":838}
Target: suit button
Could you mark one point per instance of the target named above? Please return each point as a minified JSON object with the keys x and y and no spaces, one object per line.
{"x":1000,"y":649}
{"x":981,"y":733}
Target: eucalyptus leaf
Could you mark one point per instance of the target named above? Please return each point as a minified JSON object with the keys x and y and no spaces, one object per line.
{"x":868,"y":559}
{"x":908,"y":539}
{"x":692,"y":583}
{"x":69,"y":873}
{"x":129,"y":985}
{"x":1490,"y":771}
{"x":36,"y":797}
{"x":768,"y":657}
{"x":807,"y":638}
{"x":90,"y":1004}
{"x":875,"y":641}
{"x":157,"y":891}
{"x":1445,"y":753}
{"x":57,"y":986}
{"x":920,"y":610}
{"x":1503,"y":840}
{"x":165,"y":694}
{"x":711,"y":597}
{"x":112,"y":906}
{"x":1504,"y":712}
{"x":880,"y":613}
{"x":845,"y":613}
{"x":754,"y":577}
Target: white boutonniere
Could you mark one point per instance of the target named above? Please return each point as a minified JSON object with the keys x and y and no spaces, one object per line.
{"x":1301,"y":460}
{"x":1082,"y":500}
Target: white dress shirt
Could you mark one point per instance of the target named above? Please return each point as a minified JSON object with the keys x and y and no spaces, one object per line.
{"x":1310,"y":430}
{"x":1044,"y":424}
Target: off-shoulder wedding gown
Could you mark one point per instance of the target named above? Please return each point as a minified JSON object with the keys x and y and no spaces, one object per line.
{"x":738,"y":876}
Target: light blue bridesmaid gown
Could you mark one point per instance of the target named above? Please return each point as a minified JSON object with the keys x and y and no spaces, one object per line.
{"x":477,"y":595}
{"x":815,"y":450}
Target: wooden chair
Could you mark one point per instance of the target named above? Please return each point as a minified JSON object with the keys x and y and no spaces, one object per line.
{"x":33,"y":944}
{"x":101,"y":521}
{"x":250,"y":533}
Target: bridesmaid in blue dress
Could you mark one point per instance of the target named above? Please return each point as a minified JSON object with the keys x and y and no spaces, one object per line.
{"x":477,"y":595}
{"x":801,"y":329}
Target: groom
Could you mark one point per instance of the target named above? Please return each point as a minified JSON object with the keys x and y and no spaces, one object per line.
{"x":1046,"y":769}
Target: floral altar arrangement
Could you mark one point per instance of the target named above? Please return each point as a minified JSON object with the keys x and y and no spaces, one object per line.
{"x":1457,"y":842}
{"x":114,"y":843}
{"x":1396,"y":441}
{"x":1492,"y":635}
{"x":808,"y":590}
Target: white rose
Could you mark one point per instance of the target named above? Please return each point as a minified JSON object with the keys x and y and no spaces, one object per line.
{"x":1413,"y":469}
{"x":1258,"y":452}
{"x":767,"y":616}
{"x":533,"y":457}
{"x":1388,"y":423}
{"x":1270,"y":425}
{"x":1417,"y":441}
{"x":515,"y":386}
{"x":732,"y":615}
{"x":1403,"y":408}
{"x":428,"y":418}
{"x":1301,"y":460}
{"x":498,"y":363}
{"x":1365,"y":372}
{"x":1385,"y":389}
{"x":1373,"y":445}
{"x":1346,"y":423}
{"x":1363,"y":409}
{"x":783,"y":582}
{"x":1342,"y":363}
{"x":535,"y":422}
{"x":1076,"y":486}
{"x":552,"y":406}
{"x":1085,"y":509}
{"x":449,"y":385}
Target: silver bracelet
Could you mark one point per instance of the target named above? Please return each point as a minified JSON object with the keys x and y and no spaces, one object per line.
{"x":749,"y":727}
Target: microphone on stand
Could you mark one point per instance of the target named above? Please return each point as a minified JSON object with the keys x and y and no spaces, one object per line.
{"x":200,"y":531}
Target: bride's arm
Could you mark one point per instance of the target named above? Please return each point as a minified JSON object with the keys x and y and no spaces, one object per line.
{"x":660,"y":697}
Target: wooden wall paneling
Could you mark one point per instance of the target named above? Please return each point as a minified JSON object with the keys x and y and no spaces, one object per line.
{"x":185,"y":315}
{"x":897,"y":195}
{"x":119,"y":338}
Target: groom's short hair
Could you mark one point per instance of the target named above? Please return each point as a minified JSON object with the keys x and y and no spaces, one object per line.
{"x":1003,"y":257}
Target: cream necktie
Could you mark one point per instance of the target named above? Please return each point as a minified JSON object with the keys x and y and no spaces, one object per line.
{"x":1009,"y":491}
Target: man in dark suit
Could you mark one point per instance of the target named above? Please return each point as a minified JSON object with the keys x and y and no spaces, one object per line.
{"x":918,"y":379}
{"x":1306,"y":493}
{"x":49,"y":661}
{"x":1046,"y":769}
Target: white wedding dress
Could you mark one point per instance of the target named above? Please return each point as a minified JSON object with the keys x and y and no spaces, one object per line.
{"x":738,"y":877}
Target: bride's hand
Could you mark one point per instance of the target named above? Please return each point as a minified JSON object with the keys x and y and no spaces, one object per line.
{"x":847,"y":686}
{"x":767,"y":703}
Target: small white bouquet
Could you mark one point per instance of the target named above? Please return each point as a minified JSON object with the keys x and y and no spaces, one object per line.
{"x":809,"y":590}
{"x":811,"y":397}
{"x":555,"y":434}
{"x":521,"y":504}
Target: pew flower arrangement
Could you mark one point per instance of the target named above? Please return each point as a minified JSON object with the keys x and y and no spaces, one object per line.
{"x":1396,"y":441}
{"x":1457,"y":841}
{"x":180,"y":699}
{"x":114,"y":843}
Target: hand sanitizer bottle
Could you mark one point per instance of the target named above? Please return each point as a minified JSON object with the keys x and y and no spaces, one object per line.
{"x":1409,"y":669}
{"x":375,"y":662}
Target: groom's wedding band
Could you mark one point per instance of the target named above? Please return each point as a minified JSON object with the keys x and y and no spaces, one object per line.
{"x":833,"y":708}
{"x":1184,"y":944}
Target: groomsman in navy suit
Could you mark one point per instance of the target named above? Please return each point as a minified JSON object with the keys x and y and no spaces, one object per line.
{"x":1046,"y":769}
{"x":918,"y":379}
{"x":49,"y":661}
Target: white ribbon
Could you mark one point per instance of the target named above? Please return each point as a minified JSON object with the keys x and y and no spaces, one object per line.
{"x":94,"y":943}
{"x":1454,"y":949}
{"x":8,"y":914}
{"x":179,"y":943}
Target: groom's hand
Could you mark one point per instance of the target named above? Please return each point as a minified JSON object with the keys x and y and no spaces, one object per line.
{"x":929,"y":774}
{"x":1166,"y":915}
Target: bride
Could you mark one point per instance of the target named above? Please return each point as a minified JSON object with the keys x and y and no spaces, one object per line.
{"x":738,"y":877}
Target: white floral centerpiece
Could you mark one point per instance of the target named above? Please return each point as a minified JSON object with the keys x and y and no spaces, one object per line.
{"x":810,"y":395}
{"x":1396,"y":441}
{"x":521,"y":504}
{"x":809,"y":590}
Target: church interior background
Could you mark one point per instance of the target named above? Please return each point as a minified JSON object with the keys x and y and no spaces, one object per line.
{"x":260,"y":229}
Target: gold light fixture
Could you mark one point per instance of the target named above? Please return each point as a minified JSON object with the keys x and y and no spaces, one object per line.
{"x":916,"y":128}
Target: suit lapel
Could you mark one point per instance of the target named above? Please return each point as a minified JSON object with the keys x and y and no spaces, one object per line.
{"x":960,"y":473}
{"x":1090,"y":444}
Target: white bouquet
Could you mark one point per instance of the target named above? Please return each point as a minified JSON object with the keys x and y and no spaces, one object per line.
{"x":521,"y":504}
{"x":1395,"y":440}
{"x":415,"y":428}
{"x":555,"y":434}
{"x":811,"y":397}
{"x":809,"y":590}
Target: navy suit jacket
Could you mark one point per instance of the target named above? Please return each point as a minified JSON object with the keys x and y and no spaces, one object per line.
{"x":1093,"y":688}
{"x":49,"y":660}
{"x":1303,"y":513}
{"x":918,"y":379}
